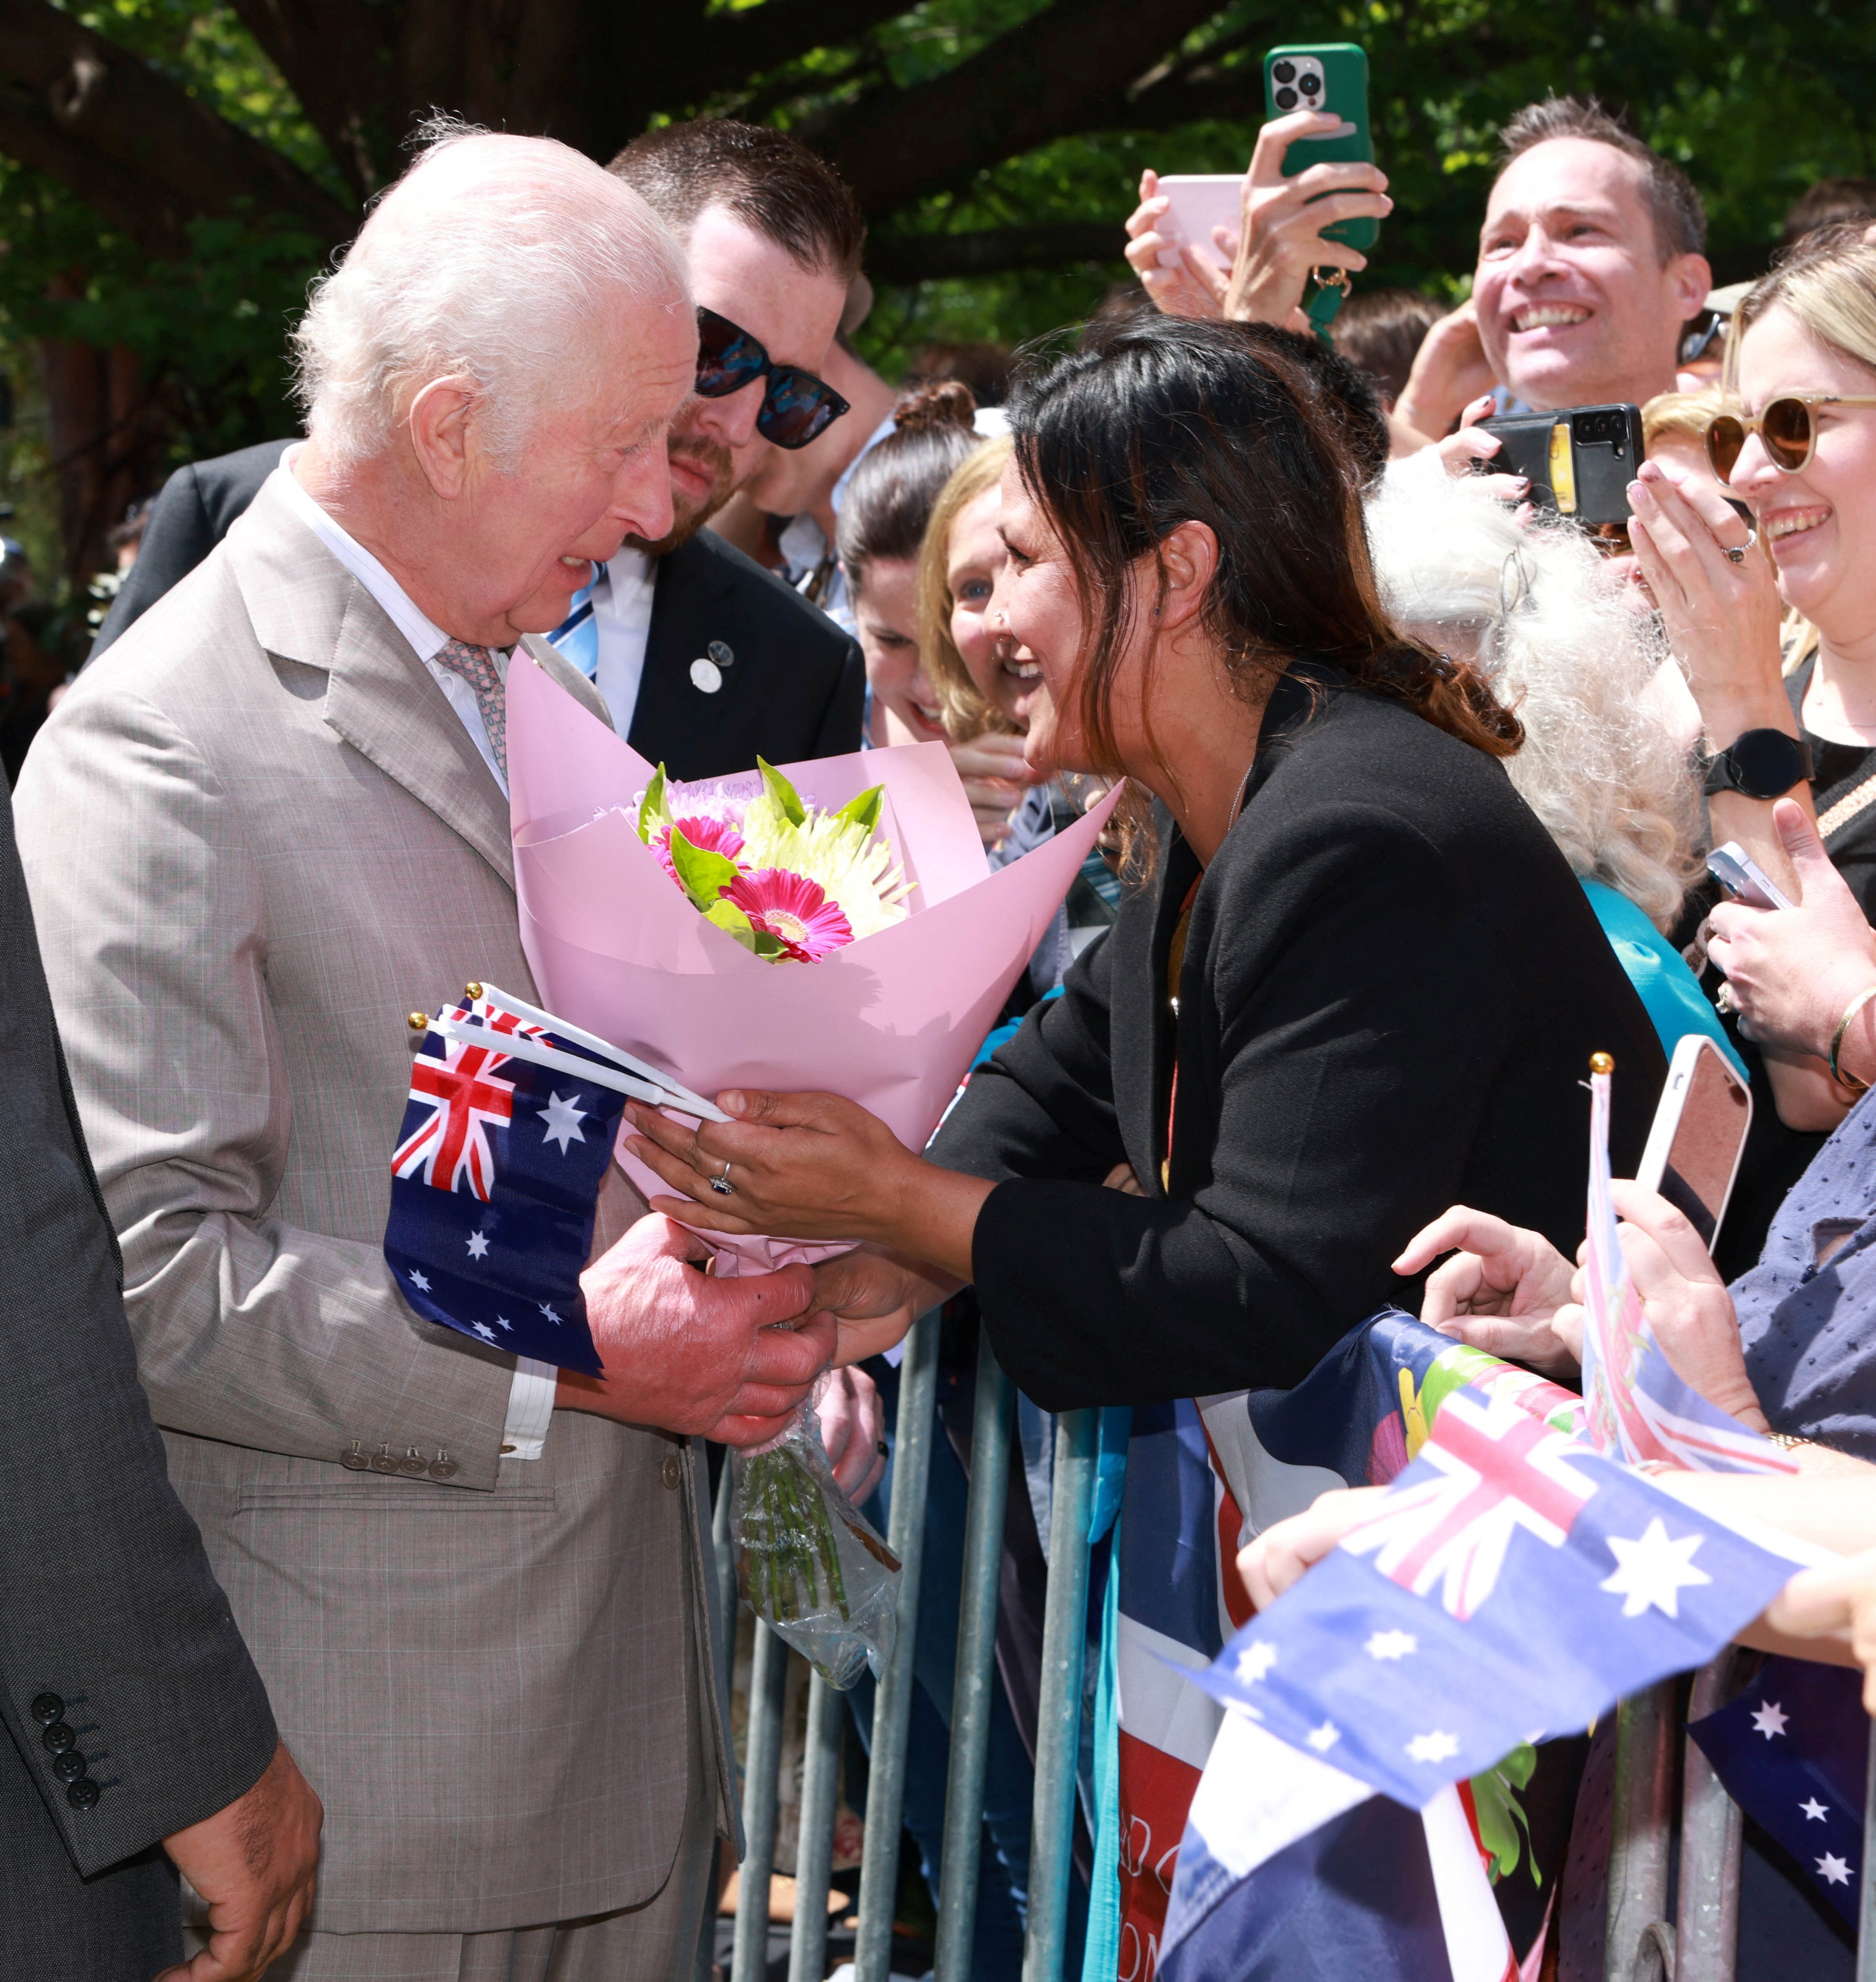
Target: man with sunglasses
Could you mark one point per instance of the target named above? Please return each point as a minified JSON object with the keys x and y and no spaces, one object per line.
{"x":706,"y":660}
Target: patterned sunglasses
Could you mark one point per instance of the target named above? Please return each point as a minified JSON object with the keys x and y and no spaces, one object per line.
{"x":797,"y":407}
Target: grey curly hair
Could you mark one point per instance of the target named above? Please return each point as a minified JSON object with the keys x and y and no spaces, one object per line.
{"x":1541,"y":614}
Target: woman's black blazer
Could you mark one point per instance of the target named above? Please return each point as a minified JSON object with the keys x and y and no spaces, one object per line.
{"x":1392,"y":985}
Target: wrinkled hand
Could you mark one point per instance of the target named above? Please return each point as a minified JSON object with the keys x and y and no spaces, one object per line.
{"x":1450,"y":370}
{"x":1794,"y":971}
{"x":1501,"y":1292}
{"x":728,"y":1360}
{"x":1685,"y":1300}
{"x":874,"y":1297}
{"x":852,"y":1432}
{"x":995,"y":776}
{"x":1721,"y":618}
{"x":1281,"y":239}
{"x":254,"y":1863}
{"x":1274,"y":1560}
{"x":1178,"y":278}
{"x":1833,"y":1603}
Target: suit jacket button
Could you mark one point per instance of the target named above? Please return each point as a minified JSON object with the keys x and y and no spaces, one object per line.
{"x":442,"y":1468}
{"x":412,"y":1464}
{"x":719,"y":652}
{"x":47,"y":1708}
{"x":672,"y":1471}
{"x":705,"y":675}
{"x":68,"y":1768}
{"x":58,"y":1737}
{"x":382,"y":1462}
{"x":83,"y":1794}
{"x":354,"y":1461}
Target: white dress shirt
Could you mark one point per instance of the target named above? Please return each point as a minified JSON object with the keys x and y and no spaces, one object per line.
{"x":622,"y":617}
{"x":531,"y":1395}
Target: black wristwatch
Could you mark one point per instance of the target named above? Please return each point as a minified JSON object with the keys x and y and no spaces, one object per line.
{"x":1758,"y":764}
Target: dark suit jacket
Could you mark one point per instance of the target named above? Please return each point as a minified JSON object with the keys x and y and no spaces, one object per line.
{"x":192,"y":515}
{"x":1392,"y":986}
{"x":115,"y":1639}
{"x":794,"y":688}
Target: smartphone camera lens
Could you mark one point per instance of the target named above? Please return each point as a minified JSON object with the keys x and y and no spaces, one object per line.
{"x":1285,"y":99}
{"x":1309,"y":85}
{"x":1284,"y":72}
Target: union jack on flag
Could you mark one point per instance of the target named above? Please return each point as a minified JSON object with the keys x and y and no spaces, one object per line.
{"x":462,"y":1097}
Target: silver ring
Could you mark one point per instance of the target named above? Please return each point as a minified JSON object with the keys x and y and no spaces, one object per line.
{"x":1736,"y":552}
{"x":720,"y":1183}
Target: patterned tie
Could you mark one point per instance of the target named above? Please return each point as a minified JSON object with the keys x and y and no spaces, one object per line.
{"x":477,"y":667}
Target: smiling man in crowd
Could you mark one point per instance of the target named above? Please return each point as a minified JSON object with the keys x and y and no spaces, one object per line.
{"x":267,"y":825}
{"x":1591,"y":263}
{"x":706,"y":660}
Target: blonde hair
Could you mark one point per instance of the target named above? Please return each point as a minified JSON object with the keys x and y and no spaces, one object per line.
{"x":1538,"y":613}
{"x":967,"y":712}
{"x":1689,"y":413}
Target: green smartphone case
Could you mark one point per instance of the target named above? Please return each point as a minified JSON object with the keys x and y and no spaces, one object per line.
{"x":1344,"y":90}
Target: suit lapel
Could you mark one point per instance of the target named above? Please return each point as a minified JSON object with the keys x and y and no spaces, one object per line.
{"x":305,"y":606}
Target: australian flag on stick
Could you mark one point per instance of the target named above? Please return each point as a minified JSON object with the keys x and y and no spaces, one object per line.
{"x":495,"y":1176}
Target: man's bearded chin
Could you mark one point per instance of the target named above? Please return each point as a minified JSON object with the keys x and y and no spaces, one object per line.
{"x":686,"y":522}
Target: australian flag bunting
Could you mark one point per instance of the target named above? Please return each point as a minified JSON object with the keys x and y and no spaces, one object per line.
{"x":495,"y":1176}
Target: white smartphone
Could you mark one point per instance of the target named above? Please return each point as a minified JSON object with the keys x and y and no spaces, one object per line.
{"x":1698,"y":1135}
{"x":1744,"y":878}
{"x":1200,"y":201}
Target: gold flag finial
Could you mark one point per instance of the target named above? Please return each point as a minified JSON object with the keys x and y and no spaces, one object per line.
{"x":418,"y":1022}
{"x":1602,"y":1063}
{"x":471,"y":990}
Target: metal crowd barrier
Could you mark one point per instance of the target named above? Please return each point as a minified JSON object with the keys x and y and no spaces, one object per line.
{"x":1700,"y":1944}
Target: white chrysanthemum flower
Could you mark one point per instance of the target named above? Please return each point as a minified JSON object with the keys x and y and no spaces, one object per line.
{"x":850,"y":866}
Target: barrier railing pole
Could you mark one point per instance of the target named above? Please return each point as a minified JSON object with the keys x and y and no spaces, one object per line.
{"x":976,"y":1666}
{"x":1058,"y":1729}
{"x":1713,"y":1830}
{"x":720,"y":1599}
{"x":760,"y":1787}
{"x":892,"y":1707}
{"x":1866,"y":1911}
{"x":1639,"y":1945}
{"x":820,"y":1787}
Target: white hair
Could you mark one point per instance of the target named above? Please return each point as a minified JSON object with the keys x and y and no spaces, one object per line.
{"x":497,"y":257}
{"x":1544,"y":619}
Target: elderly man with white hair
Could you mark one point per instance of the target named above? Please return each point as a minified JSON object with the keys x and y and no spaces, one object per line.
{"x":268,"y":824}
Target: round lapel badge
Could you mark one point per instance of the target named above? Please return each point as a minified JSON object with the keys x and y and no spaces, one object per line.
{"x":705,"y":675}
{"x":719,"y":652}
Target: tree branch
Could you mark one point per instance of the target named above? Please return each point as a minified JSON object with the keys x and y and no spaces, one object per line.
{"x":135,"y":147}
{"x":751,"y":39}
{"x":331,"y":54}
{"x":1028,"y":86}
{"x":920,"y":257}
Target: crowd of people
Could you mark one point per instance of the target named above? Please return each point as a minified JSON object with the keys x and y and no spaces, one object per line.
{"x":336,"y":1646}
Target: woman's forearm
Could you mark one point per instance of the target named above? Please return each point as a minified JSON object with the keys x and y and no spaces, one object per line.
{"x":930,"y":1213}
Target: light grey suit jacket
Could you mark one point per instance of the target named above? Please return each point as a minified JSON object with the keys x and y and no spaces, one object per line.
{"x":256,"y":837}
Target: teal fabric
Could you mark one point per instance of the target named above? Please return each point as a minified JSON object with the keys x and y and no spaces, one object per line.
{"x":1101,"y":1958}
{"x":1669,"y":991}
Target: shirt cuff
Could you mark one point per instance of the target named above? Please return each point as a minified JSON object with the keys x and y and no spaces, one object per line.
{"x":530,"y":1407}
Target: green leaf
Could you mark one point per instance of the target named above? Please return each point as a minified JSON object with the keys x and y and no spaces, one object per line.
{"x":654,"y":810}
{"x":1495,"y":1803}
{"x":703,"y":875}
{"x":864,"y":811}
{"x":730,"y":918}
{"x":786,"y":798}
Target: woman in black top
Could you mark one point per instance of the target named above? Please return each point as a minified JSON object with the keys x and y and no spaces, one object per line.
{"x":1358,"y":983}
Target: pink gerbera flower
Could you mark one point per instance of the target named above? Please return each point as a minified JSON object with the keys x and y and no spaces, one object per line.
{"x":713,"y":835}
{"x":794,"y":910}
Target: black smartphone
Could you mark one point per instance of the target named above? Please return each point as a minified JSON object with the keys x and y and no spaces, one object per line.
{"x":1579,"y":460}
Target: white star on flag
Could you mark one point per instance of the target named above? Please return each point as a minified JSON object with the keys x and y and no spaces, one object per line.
{"x":1436,"y":1747}
{"x":1814,"y":1811}
{"x":502,"y":1321}
{"x":1324,"y":1738}
{"x":418,"y":1282}
{"x":1391,"y":1645}
{"x":1770,"y":1720}
{"x":1833,"y":1870}
{"x":1652,"y":1571}
{"x":482,"y":1329}
{"x":563,"y":1118}
{"x":1254,"y":1661}
{"x":477,"y":1244}
{"x":551,"y":1316}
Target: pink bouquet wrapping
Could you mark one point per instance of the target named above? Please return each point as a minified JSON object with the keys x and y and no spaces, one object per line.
{"x":834,"y":925}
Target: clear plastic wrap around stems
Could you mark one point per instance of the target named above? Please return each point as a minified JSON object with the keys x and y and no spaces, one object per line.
{"x":807,"y":1562}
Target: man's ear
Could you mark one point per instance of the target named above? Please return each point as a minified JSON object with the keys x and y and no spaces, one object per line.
{"x":1189,"y":562}
{"x":1692,"y":275}
{"x":439,"y":424}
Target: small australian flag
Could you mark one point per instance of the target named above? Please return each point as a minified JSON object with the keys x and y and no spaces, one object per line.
{"x":494,"y":1183}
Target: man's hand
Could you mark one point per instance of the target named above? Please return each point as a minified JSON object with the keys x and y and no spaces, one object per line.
{"x":1449,"y":371}
{"x":730,"y":1359}
{"x":852,"y":1432}
{"x":1274,"y":1560}
{"x":254,"y":1862}
{"x":1501,"y":1291}
{"x":874,"y":1297}
{"x":1794,"y":971}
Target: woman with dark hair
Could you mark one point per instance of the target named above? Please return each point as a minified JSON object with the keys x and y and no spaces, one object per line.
{"x":1355,"y":981}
